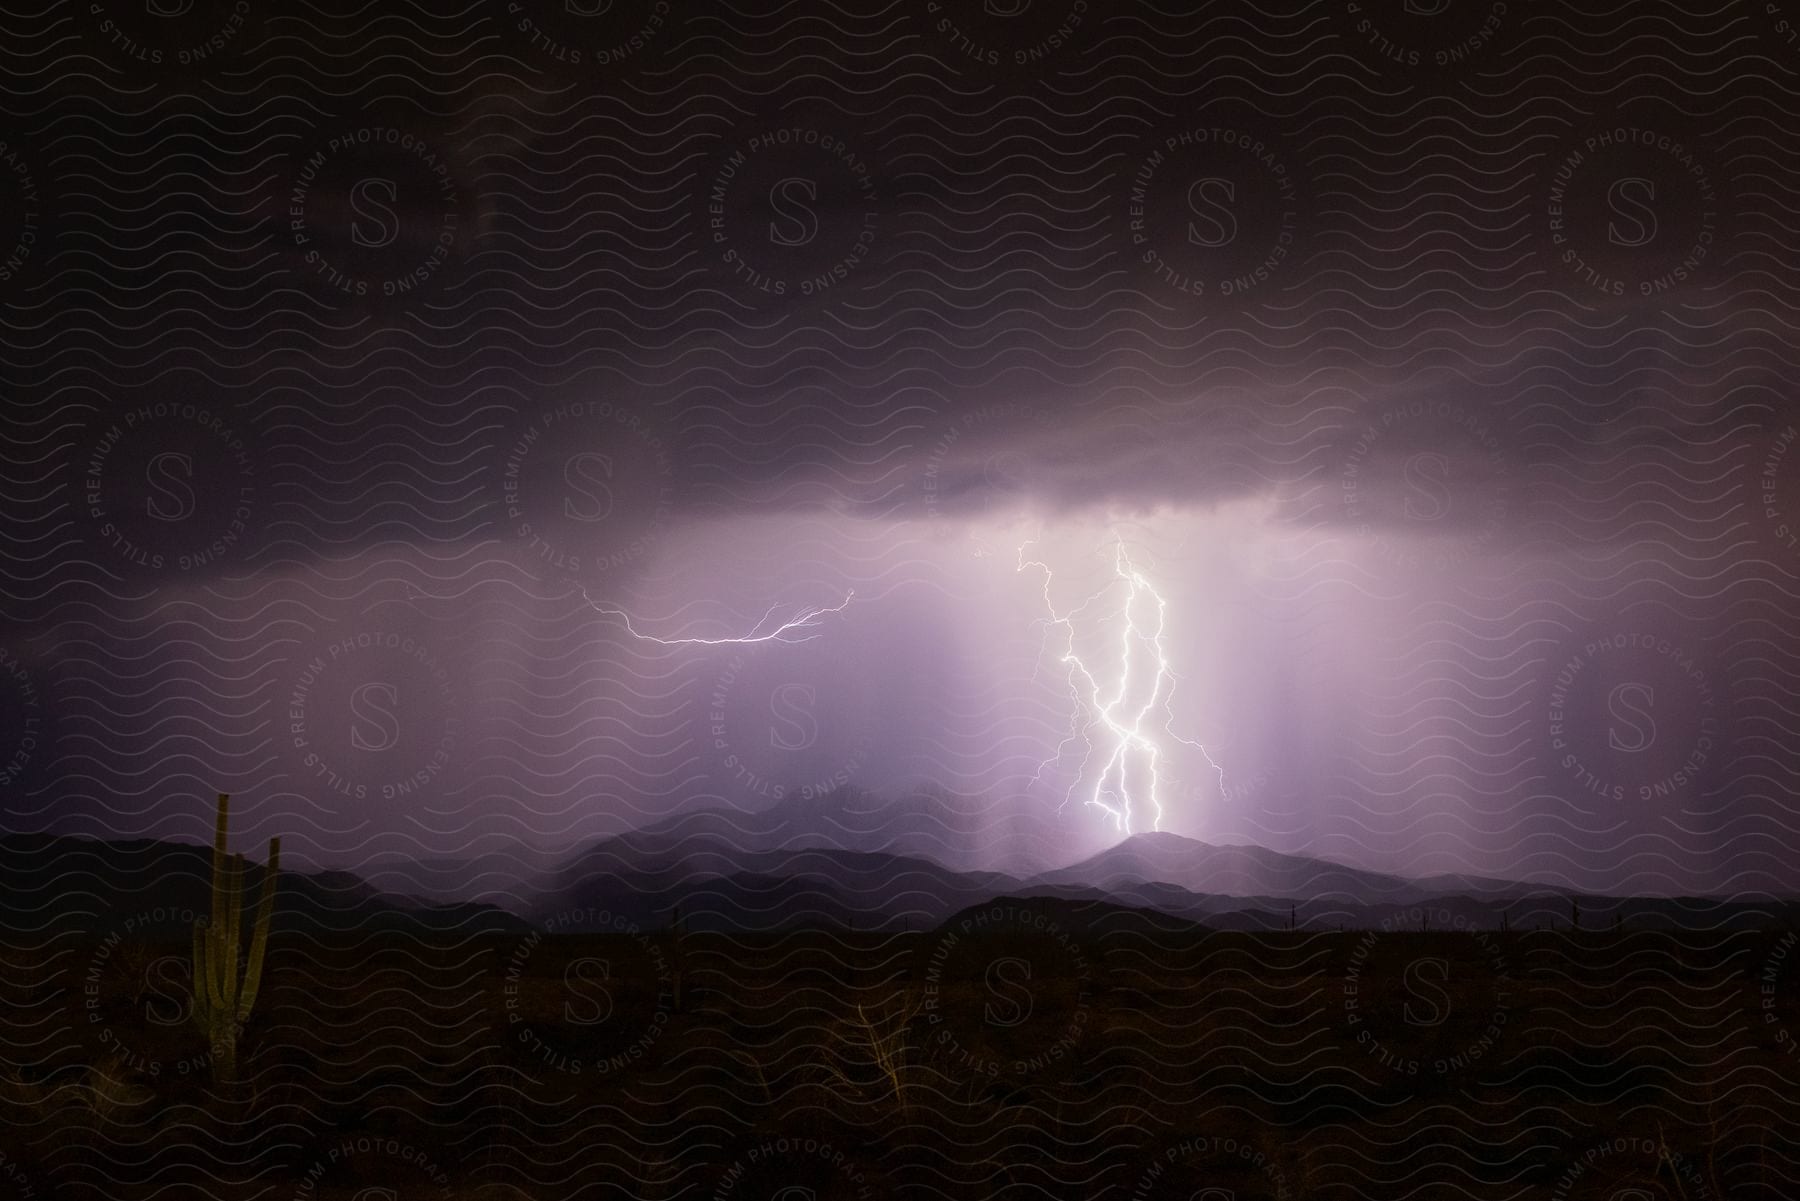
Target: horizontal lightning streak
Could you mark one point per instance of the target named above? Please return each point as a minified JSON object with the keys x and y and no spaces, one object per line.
{"x":807,"y":620}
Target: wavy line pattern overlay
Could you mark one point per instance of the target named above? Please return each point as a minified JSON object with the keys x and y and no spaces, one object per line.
{"x":897,"y":598}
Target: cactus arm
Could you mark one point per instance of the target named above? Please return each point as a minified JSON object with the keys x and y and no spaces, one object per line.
{"x":208,"y":963}
{"x":205,"y":962}
{"x":218,"y":863}
{"x":259,"y":933}
{"x":220,"y":993}
{"x":222,"y":997}
{"x":200,"y":976}
{"x":234,"y":908}
{"x":230,"y":941}
{"x":210,"y":972}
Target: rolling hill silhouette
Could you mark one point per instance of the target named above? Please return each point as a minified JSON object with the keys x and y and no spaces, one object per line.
{"x":785,"y":868}
{"x":54,"y":884}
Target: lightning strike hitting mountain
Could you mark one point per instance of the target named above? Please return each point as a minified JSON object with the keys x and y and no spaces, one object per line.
{"x":1131,"y":733}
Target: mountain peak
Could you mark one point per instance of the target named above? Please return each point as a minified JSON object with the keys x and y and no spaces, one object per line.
{"x":1228,"y":869}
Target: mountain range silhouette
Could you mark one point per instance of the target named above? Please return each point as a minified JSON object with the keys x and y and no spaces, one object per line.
{"x":817,"y":862}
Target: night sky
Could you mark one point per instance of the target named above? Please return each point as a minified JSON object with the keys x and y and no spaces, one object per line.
{"x":373,"y":372}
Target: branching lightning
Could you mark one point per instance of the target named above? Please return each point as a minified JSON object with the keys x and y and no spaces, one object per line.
{"x":807,"y":621}
{"x":1131,"y":732}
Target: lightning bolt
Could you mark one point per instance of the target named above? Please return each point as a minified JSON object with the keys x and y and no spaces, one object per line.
{"x":806,"y":621}
{"x":1132,"y":733}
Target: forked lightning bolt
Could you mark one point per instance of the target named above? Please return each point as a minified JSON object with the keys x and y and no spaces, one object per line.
{"x":1131,"y":731}
{"x":806,"y":621}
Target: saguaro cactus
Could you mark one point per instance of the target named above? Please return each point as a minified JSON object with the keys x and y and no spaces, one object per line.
{"x":223,"y":997}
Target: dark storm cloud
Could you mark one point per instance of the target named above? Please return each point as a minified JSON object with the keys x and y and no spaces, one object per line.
{"x":724,"y":334}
